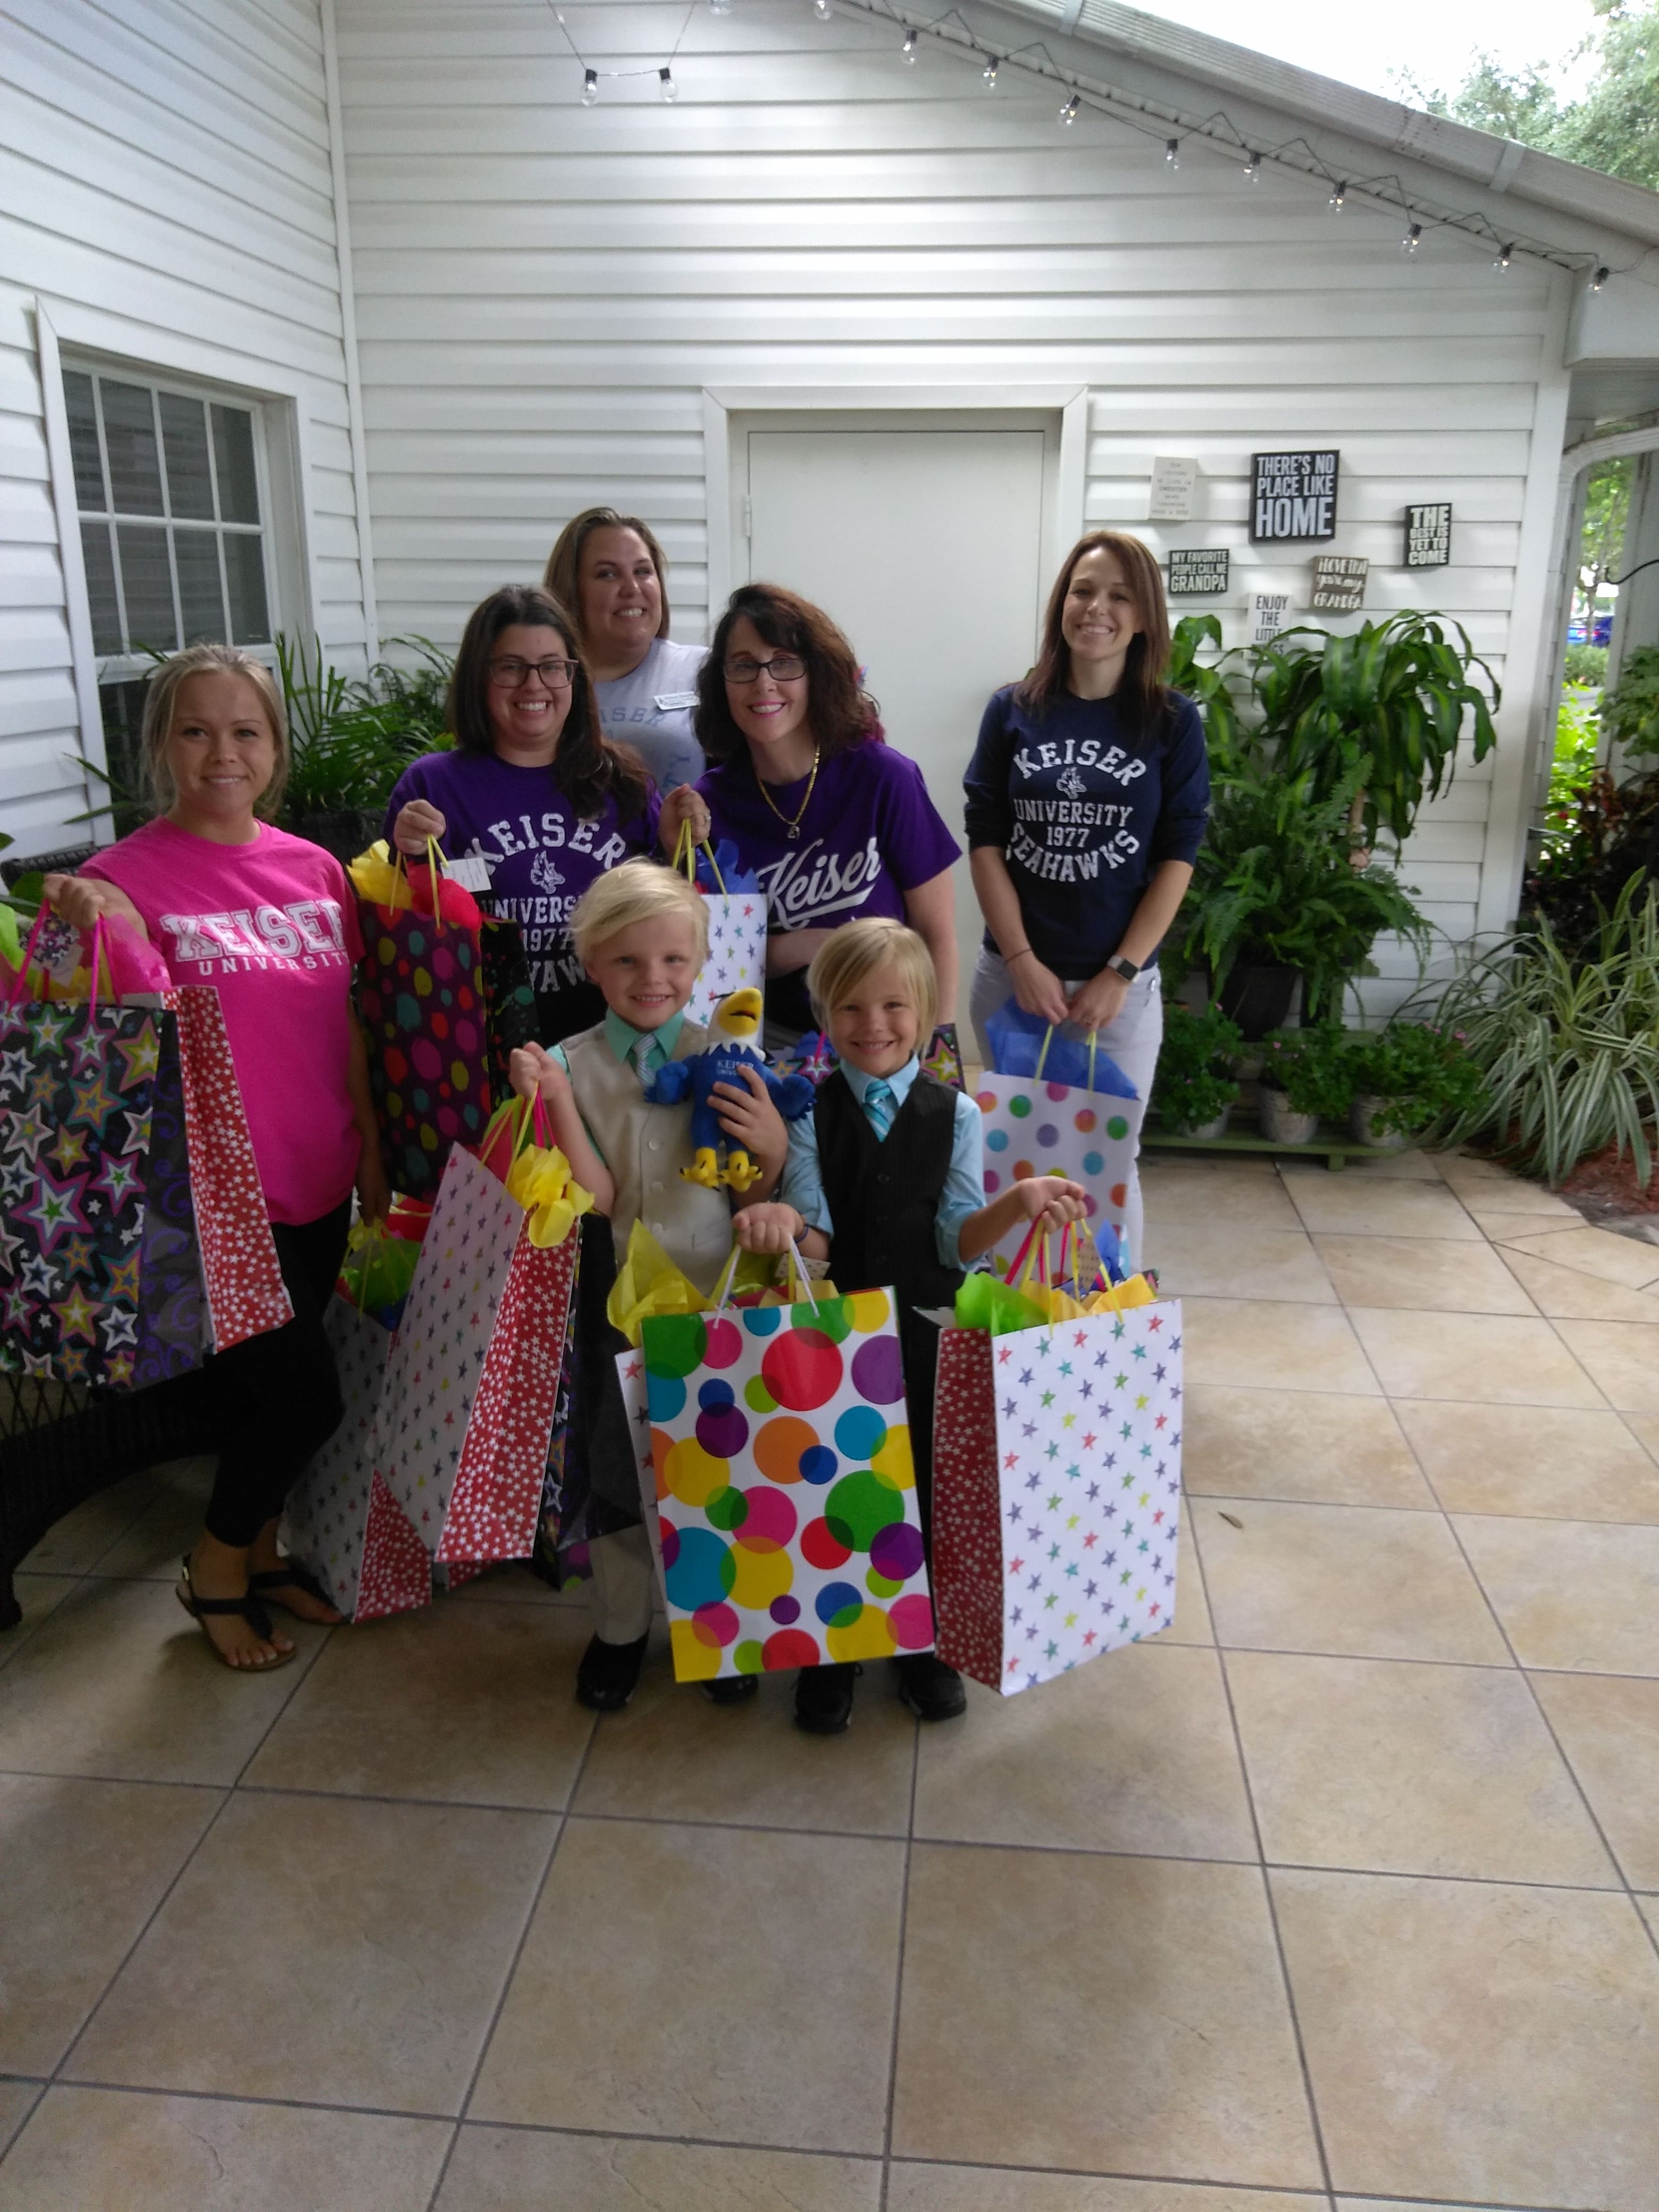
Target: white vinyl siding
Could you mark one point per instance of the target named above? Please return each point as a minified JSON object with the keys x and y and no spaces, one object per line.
{"x":166,"y":195}
{"x":543,"y":292}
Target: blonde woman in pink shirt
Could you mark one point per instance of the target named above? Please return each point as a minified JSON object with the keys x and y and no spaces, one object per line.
{"x":270,"y":922}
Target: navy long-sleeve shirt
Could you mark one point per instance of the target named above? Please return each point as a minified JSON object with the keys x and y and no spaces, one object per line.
{"x":1083,"y":817}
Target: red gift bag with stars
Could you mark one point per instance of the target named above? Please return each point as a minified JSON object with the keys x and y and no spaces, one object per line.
{"x":1056,"y":1492}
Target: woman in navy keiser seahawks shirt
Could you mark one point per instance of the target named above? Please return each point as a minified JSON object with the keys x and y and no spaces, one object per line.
{"x":1087,"y":796}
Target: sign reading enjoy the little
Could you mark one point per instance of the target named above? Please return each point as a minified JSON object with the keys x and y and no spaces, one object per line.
{"x":1292,"y":495}
{"x":1339,"y":583}
{"x":1428,"y":535}
{"x":1197,"y":574}
{"x":1268,"y":610}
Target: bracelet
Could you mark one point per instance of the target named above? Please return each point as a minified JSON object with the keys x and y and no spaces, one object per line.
{"x":1023,"y":953}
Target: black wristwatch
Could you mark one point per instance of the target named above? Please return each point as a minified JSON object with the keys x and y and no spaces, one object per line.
{"x":1126,"y":969}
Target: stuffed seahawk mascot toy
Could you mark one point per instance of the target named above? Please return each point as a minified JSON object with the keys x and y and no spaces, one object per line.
{"x":731,"y":1047}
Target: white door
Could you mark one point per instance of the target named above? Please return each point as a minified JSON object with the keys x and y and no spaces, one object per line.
{"x":925,"y":546}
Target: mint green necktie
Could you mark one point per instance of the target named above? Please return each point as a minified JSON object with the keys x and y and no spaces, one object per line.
{"x":879,"y":1106}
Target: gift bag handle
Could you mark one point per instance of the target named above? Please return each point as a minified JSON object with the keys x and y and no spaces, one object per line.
{"x":800,"y":1281}
{"x":1049,"y":1038}
{"x":685,"y":859}
{"x":708,"y":852}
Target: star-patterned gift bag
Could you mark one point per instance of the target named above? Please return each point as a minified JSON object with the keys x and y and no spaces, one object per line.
{"x":1056,"y":1492}
{"x":133,"y":1234}
{"x":788,"y":1528}
{"x":737,"y":951}
{"x":472,"y":1383}
{"x":340,"y":1520}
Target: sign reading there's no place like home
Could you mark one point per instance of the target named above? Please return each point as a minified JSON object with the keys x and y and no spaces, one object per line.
{"x":1292,"y":495}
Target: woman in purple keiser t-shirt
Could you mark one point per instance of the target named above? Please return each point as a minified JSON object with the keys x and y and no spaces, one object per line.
{"x":1087,"y":797}
{"x":837,"y":825}
{"x":533,"y":791}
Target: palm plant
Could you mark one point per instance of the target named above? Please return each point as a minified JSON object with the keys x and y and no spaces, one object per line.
{"x":1568,"y":1047}
{"x":1395,"y":695}
{"x":1204,"y":683}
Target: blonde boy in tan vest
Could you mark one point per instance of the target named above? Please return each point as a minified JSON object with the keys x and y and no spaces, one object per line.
{"x":642,"y":933}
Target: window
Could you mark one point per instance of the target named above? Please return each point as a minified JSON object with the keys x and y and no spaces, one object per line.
{"x":167,"y":483}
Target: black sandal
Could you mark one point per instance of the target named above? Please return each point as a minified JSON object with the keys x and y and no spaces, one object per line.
{"x":249,"y":1609}
{"x":291,"y":1576}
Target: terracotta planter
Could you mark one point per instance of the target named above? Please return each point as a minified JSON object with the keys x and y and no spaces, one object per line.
{"x":1362,"y":1117}
{"x":1281,"y":1124}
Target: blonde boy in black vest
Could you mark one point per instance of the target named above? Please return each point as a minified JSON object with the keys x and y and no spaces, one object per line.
{"x":642,"y":933}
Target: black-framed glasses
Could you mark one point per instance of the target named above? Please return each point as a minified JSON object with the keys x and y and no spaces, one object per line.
{"x":510,"y":674}
{"x":782,"y":668}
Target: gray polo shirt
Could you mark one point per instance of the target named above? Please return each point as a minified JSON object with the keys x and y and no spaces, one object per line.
{"x":651,"y":709}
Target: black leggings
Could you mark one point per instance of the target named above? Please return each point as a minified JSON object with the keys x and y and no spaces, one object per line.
{"x":271,"y":1403}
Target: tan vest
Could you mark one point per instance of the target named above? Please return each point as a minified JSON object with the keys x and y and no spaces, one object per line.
{"x":644,"y":1147}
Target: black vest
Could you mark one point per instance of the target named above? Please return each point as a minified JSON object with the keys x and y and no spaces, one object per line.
{"x":884,"y":1192}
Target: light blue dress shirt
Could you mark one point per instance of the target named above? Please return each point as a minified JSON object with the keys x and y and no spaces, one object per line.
{"x":965,"y":1184}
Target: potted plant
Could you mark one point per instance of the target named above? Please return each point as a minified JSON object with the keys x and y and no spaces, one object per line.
{"x":350,"y":740}
{"x":1306,"y":1078}
{"x":1276,"y":899}
{"x":1195,"y":1085}
{"x":1405,"y":1076}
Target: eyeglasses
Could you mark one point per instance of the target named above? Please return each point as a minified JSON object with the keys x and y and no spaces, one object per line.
{"x":508,"y":675}
{"x":782,"y":668}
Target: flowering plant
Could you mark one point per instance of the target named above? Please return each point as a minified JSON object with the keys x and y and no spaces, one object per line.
{"x":1195,"y":1082}
{"x":1419,"y":1071}
{"x":1312,"y":1067}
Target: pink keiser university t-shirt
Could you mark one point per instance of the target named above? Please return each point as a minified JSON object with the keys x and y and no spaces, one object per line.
{"x":273,"y":927}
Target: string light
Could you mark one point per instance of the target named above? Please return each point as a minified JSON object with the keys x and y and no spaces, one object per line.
{"x":1412,"y":240}
{"x":1073,"y":106}
{"x":1599,"y":279}
{"x":1172,"y":152}
{"x":908,"y":50}
{"x":822,"y":10}
{"x":590,"y":86}
{"x":665,"y":83}
{"x":1252,"y":168}
{"x":719,"y":6}
{"x":1504,"y":257}
{"x":989,"y":72}
{"x":1339,"y":195}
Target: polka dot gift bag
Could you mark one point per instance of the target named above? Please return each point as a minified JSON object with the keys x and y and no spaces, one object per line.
{"x":1084,"y":1127}
{"x":1056,"y":1491}
{"x":789,"y":1530}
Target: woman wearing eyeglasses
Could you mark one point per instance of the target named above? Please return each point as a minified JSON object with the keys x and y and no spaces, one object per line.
{"x":532,"y":789}
{"x":837,"y":825}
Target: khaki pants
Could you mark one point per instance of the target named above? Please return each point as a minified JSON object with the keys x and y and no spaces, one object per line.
{"x":625,"y":1585}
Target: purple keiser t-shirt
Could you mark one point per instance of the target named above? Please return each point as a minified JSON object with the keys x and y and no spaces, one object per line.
{"x":541,"y":853}
{"x":869,"y":834}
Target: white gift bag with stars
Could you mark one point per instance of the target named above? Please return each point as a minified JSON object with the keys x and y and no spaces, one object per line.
{"x":1056,"y":1492}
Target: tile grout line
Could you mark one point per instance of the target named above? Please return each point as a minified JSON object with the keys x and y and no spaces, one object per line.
{"x":508,"y":1977}
{"x":898,"y":1966}
{"x":1486,"y":1599}
{"x":1268,"y":1898}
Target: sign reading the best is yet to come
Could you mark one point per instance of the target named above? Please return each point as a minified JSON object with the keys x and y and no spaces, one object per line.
{"x":1292,"y":495}
{"x":1428,"y":535}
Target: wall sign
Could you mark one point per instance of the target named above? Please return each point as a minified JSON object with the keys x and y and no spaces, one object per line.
{"x":1174,"y":480}
{"x":1428,"y":535}
{"x":1339,"y":583}
{"x":1292,"y":495}
{"x":1267,"y":612}
{"x":1198,"y":574}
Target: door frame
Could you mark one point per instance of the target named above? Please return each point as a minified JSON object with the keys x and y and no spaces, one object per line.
{"x":1061,"y":408}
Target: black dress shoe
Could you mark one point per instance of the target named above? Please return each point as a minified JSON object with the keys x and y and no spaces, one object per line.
{"x":933,"y":1691}
{"x":824,"y":1697}
{"x":731,"y":1689}
{"x":608,"y":1672}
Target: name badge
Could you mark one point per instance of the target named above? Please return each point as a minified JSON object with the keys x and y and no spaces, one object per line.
{"x":470,"y":871}
{"x":668,"y":700}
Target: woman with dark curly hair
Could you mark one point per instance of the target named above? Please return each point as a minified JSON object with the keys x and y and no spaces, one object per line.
{"x":837,"y":826}
{"x":532,"y":789}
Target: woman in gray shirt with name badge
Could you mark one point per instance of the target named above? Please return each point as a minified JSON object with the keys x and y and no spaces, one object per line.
{"x":609,"y":570}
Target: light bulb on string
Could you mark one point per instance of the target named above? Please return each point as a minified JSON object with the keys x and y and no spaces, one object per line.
{"x":908,"y":50}
{"x":1069,"y":113}
{"x":665,"y":84}
{"x":1599,"y":279}
{"x":1252,"y":168}
{"x":989,"y":73}
{"x":1172,"y":153}
{"x":822,"y":10}
{"x":719,"y":6}
{"x":1339,"y":197}
{"x":590,"y":86}
{"x":1504,"y":257}
{"x":1413,"y":239}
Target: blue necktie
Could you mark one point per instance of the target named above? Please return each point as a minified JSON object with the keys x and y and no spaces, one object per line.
{"x":879,"y":1106}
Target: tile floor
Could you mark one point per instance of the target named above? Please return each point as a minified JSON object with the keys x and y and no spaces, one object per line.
{"x":1344,"y":1894}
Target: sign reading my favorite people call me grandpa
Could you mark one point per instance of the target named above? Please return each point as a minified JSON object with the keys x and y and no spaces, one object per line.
{"x":1292,"y":495}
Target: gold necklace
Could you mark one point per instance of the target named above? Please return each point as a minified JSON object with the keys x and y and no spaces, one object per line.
{"x":792,"y":823}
